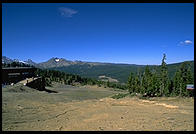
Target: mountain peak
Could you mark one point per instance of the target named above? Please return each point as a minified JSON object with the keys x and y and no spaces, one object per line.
{"x":30,"y":62}
{"x":57,"y":59}
{"x":6,"y":60}
{"x":55,"y":62}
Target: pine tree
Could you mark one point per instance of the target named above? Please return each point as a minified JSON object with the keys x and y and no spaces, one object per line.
{"x":190,"y":79}
{"x":181,"y":79}
{"x":130,"y":83}
{"x":155,"y":84}
{"x":146,"y":81}
{"x":136,"y":84}
{"x":164,"y":79}
{"x":176,"y":81}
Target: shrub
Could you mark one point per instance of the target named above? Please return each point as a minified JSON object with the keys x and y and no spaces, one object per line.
{"x":118,"y":96}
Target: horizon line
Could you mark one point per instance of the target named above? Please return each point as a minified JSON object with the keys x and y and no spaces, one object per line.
{"x":101,"y":61}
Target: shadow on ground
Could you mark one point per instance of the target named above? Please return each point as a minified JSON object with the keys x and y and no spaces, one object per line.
{"x":50,"y":91}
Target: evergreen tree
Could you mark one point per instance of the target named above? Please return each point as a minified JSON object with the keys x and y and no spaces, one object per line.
{"x":108,"y":83}
{"x":176,"y":81}
{"x":164,"y":79}
{"x":146,"y":81}
{"x":130,"y":83}
{"x":181,"y":79}
{"x":190,"y":79}
{"x":136,"y":84}
{"x":155,"y":84}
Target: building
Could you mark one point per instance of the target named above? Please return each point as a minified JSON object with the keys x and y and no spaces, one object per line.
{"x":16,"y":74}
{"x":190,"y":87}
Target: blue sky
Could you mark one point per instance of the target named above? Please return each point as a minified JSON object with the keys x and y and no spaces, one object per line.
{"x":134,"y":33}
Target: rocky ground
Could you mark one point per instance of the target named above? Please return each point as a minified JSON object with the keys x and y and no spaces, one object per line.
{"x":91,"y":108}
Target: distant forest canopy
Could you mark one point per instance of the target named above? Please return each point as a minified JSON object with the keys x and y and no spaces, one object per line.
{"x":71,"y":79}
{"x":118,"y":71}
{"x":66,"y":78}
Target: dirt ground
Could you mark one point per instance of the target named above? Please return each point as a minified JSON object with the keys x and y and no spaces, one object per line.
{"x":91,"y":108}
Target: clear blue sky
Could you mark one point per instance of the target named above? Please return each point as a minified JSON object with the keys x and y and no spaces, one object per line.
{"x":133,"y":33}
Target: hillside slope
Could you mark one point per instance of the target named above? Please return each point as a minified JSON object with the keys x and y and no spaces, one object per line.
{"x":116,"y":71}
{"x":119,"y":72}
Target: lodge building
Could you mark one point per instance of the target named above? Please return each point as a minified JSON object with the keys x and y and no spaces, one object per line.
{"x":16,"y":74}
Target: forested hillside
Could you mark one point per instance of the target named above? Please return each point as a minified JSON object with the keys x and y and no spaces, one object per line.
{"x":158,"y":83}
{"x":116,"y":71}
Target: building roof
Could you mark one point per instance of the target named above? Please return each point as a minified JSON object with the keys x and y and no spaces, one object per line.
{"x":17,"y":68}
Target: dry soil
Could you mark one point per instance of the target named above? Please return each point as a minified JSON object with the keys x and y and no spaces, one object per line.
{"x":91,"y":108}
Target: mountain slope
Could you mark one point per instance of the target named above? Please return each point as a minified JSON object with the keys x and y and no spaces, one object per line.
{"x":54,"y":62}
{"x":61,"y":62}
{"x":30,"y":62}
{"x":6,"y":60}
{"x":120,"y":72}
{"x":115,"y":71}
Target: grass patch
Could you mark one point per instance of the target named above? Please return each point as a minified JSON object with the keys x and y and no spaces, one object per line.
{"x":119,"y":95}
{"x":144,"y":98}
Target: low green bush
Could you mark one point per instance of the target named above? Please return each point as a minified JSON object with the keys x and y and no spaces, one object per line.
{"x":118,"y":96}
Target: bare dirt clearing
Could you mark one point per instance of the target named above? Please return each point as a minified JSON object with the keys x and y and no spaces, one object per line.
{"x":80,"y":108}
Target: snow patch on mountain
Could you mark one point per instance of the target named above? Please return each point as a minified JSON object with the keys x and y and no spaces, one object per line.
{"x":57,"y":60}
{"x":23,"y":62}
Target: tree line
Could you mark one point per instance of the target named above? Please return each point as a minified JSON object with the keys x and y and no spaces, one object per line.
{"x":157,"y":83}
{"x":71,"y":79}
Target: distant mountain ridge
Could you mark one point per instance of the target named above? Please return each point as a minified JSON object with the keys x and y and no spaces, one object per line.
{"x":119,"y":72}
{"x":54,"y":62}
{"x":30,"y":62}
{"x":6,"y":60}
